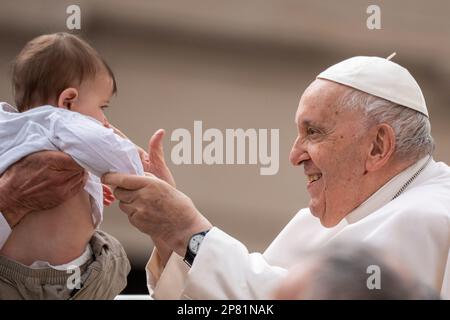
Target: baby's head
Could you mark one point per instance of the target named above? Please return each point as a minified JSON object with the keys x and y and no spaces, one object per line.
{"x":64,"y":71}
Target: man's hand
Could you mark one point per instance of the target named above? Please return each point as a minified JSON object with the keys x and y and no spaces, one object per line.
{"x":154,"y":163}
{"x":40,"y":181}
{"x":157,"y":209}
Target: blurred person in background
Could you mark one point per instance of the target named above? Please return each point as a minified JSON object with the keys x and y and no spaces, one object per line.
{"x":350,"y":272}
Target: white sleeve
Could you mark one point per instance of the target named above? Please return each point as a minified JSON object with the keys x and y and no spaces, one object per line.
{"x":223,"y":269}
{"x":445,"y":292}
{"x":5,"y":230}
{"x":94,"y":147}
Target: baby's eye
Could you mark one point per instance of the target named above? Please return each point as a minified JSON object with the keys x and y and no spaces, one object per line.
{"x":104,"y":107}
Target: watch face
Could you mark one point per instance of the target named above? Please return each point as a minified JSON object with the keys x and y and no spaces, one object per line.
{"x":194,"y":244}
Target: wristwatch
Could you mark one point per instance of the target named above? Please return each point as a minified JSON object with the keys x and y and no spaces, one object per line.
{"x":193,"y":247}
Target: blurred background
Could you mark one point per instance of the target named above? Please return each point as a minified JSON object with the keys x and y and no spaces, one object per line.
{"x":234,"y":64}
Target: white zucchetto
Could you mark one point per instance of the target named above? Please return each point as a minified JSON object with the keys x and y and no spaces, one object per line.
{"x":379,"y":77}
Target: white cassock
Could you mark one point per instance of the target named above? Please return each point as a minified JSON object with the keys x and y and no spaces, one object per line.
{"x":408,"y":218}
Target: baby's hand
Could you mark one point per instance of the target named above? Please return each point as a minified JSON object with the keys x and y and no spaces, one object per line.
{"x":108,"y":197}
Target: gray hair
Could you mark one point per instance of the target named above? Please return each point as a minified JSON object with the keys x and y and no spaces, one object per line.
{"x":412,"y":129}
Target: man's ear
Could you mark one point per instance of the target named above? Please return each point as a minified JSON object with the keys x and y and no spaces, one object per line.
{"x":381,"y":148}
{"x":67,"y":98}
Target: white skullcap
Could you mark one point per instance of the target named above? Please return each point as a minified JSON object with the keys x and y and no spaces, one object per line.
{"x":379,"y":77}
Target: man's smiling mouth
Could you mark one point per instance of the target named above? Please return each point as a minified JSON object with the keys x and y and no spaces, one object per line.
{"x":314,"y":177}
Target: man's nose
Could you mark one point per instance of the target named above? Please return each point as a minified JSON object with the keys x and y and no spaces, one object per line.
{"x":298,"y":153}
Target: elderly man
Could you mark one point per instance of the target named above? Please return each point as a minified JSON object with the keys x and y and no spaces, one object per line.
{"x":364,"y":141}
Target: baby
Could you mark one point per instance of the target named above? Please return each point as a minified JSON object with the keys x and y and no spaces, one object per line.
{"x":61,"y":88}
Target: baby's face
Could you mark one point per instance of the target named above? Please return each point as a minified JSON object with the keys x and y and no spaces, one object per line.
{"x":94,"y":96}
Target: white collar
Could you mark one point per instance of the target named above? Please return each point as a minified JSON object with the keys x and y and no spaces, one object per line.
{"x":388,"y":191}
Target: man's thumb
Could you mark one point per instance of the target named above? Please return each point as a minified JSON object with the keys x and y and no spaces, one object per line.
{"x":155,"y":146}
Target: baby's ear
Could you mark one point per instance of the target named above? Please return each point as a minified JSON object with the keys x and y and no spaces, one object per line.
{"x":67,"y":98}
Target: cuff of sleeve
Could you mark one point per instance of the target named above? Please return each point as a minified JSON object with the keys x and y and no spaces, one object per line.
{"x":5,"y":230}
{"x":224,"y":269}
{"x":166,"y":282}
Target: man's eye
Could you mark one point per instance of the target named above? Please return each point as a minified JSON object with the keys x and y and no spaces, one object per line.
{"x":311,"y":131}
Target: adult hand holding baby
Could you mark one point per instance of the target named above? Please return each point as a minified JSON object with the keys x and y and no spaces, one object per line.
{"x":40,"y":181}
{"x":154,"y":206}
{"x":157,"y":209}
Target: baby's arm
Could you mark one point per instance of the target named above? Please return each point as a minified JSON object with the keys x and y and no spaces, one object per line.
{"x":94,"y":147}
{"x":153,"y":162}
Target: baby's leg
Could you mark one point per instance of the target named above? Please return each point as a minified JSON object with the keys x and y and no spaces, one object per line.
{"x":57,"y":236}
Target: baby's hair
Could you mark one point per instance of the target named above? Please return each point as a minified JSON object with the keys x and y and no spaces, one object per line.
{"x":49,"y":64}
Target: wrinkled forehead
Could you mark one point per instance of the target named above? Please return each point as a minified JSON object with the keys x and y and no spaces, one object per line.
{"x":320,"y":101}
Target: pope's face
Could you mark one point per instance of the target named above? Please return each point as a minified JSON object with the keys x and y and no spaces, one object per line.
{"x":330,"y":144}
